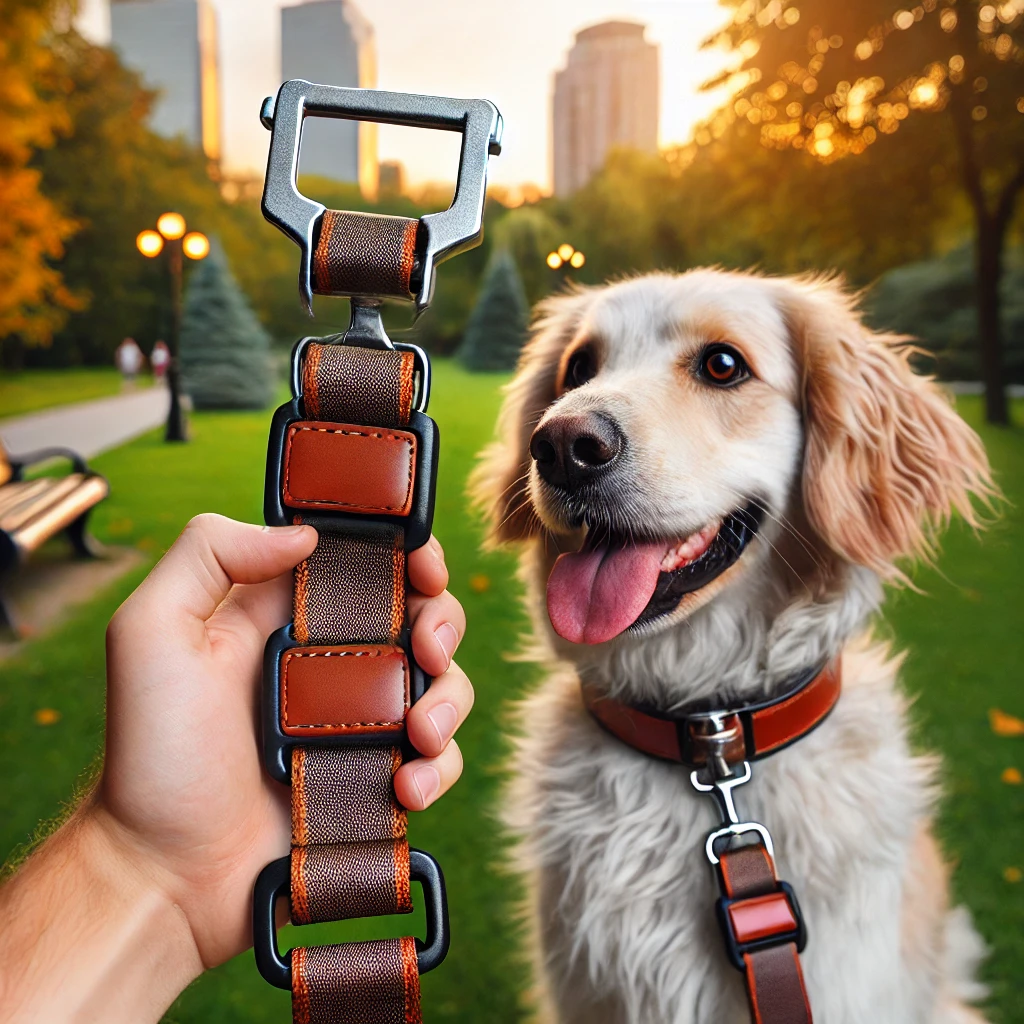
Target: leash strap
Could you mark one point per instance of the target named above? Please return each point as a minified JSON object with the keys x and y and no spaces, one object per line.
{"x":354,"y":455}
{"x":763,"y":929}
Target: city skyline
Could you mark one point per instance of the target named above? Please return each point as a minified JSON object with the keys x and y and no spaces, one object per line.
{"x":462,"y":48}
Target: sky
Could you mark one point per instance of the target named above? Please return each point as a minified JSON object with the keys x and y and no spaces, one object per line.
{"x":503,"y":50}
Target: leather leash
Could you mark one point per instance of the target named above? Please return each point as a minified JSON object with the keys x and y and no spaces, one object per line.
{"x":354,"y":455}
{"x":758,"y":914}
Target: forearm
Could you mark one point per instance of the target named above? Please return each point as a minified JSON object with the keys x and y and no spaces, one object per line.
{"x":87,"y":935}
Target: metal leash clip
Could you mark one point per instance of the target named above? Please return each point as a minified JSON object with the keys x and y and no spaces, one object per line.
{"x":439,"y":236}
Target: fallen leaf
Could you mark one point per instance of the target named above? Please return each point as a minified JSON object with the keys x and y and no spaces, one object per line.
{"x":479,"y":583}
{"x":1012,"y":776}
{"x":46,"y":716}
{"x":1004,"y":724}
{"x":1013,"y":874}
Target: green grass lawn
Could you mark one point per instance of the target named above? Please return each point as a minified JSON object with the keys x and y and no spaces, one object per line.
{"x":964,"y":635}
{"x":32,"y":390}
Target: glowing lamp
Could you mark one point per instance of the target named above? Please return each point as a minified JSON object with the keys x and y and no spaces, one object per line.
{"x":195,"y":245}
{"x":171,"y":225}
{"x":149,"y":243}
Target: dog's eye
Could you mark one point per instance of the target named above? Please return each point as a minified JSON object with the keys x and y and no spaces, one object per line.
{"x":722,"y":366}
{"x":581,"y":367}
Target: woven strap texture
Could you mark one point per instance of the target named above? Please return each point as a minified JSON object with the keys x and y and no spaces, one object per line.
{"x":775,"y":982}
{"x":364,"y":254}
{"x":350,"y":857}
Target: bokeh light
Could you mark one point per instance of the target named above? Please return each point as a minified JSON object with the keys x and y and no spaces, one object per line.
{"x":171,"y":225}
{"x":554,"y":261}
{"x":196,"y":245}
{"x":565,"y":250}
{"x":577,"y":259}
{"x":149,"y":242}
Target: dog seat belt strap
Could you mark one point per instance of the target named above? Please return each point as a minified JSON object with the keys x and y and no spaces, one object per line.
{"x":760,"y":918}
{"x":354,"y":455}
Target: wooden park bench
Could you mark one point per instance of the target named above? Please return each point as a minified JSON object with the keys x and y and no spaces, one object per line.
{"x":33,"y":511}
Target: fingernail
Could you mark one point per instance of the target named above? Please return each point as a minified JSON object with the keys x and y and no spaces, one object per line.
{"x":284,"y":531}
{"x":427,"y":782}
{"x":444,"y":718}
{"x":447,"y":638}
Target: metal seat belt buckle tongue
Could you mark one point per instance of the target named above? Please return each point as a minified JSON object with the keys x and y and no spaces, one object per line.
{"x":355,"y":455}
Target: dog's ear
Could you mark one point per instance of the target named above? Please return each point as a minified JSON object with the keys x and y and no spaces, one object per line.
{"x":498,"y":483}
{"x":887,"y":459}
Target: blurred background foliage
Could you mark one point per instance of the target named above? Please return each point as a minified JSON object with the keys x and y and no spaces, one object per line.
{"x":763,"y":185}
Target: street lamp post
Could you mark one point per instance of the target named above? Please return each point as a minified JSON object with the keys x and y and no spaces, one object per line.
{"x":195,"y":245}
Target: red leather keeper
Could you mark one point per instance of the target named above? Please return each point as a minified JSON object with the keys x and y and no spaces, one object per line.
{"x":352,"y":690}
{"x":761,"y":917}
{"x":349,"y":467}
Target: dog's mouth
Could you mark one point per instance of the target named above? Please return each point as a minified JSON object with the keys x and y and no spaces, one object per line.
{"x":612,"y":584}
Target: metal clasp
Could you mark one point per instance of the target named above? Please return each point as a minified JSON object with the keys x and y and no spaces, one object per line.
{"x":721,"y":791}
{"x":444,"y":234}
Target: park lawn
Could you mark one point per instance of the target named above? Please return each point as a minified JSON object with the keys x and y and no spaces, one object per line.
{"x":32,"y":390}
{"x":964,"y":635}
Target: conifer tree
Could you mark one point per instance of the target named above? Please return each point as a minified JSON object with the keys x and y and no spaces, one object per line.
{"x":226,"y":361}
{"x":496,"y":328}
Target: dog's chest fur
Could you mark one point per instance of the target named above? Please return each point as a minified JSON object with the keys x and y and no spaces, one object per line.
{"x":623,"y":895}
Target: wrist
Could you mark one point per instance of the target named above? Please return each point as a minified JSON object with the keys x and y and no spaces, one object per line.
{"x":91,"y":932}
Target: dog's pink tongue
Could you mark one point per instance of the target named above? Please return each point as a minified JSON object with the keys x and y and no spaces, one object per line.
{"x":594,"y":595}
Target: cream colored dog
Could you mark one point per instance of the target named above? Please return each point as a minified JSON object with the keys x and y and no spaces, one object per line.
{"x":647,"y":416}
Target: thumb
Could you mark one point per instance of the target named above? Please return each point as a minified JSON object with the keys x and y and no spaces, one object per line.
{"x":214,"y":553}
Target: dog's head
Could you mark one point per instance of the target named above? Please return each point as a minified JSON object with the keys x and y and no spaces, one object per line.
{"x":668,"y":435}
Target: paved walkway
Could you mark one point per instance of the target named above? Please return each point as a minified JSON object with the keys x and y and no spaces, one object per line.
{"x":87,"y":427}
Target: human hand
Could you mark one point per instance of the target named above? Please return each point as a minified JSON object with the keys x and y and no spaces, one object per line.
{"x":183,"y":791}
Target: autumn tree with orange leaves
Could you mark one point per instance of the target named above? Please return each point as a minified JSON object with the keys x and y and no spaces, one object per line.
{"x":33,"y":298}
{"x":833,"y":79}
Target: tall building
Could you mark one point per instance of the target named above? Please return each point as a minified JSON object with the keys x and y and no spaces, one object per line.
{"x":606,"y":96}
{"x":330,"y":42}
{"x":172,"y":44}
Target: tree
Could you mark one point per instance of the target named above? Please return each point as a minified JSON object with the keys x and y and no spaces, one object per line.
{"x":225,"y":352}
{"x":834,"y":79}
{"x":497,"y":326}
{"x":33,"y":297}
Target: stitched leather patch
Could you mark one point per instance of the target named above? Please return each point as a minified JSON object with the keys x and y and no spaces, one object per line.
{"x":351,"y":690}
{"x":351,"y":468}
{"x":761,"y":917}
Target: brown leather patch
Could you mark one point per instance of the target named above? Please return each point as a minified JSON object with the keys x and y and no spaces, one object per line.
{"x":349,"y":467}
{"x":761,"y":917}
{"x":782,"y":723}
{"x":351,"y":690}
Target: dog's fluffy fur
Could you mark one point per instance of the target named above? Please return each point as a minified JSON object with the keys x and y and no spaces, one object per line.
{"x":857,"y":463}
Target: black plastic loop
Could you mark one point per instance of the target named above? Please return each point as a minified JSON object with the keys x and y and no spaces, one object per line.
{"x":274,"y":883}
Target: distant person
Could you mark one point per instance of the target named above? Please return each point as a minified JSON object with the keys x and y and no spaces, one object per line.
{"x":159,"y":359}
{"x":129,"y":359}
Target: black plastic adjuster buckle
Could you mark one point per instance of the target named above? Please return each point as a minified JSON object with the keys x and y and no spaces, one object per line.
{"x":416,"y":525}
{"x":735,"y":949}
{"x":274,"y":883}
{"x":277,"y":745}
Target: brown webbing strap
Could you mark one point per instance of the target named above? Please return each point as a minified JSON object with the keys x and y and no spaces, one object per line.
{"x":775,"y":982}
{"x":364,"y":254}
{"x":350,"y":857}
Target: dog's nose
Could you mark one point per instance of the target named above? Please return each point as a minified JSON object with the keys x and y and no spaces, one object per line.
{"x":571,"y":449}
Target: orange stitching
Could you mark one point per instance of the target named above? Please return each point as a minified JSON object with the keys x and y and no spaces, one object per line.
{"x":405,"y":386}
{"x":403,"y":896}
{"x":300,"y":987}
{"x":299,"y":612}
{"x":411,"y":978}
{"x":293,"y":429}
{"x":398,"y":585}
{"x":300,"y":896}
{"x":300,"y":835}
{"x":311,"y":381}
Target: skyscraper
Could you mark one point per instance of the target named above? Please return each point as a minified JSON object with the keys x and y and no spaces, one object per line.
{"x":172,"y":44}
{"x":606,"y":96}
{"x":330,"y":42}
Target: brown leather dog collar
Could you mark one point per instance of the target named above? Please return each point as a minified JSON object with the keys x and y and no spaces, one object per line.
{"x":743,"y":733}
